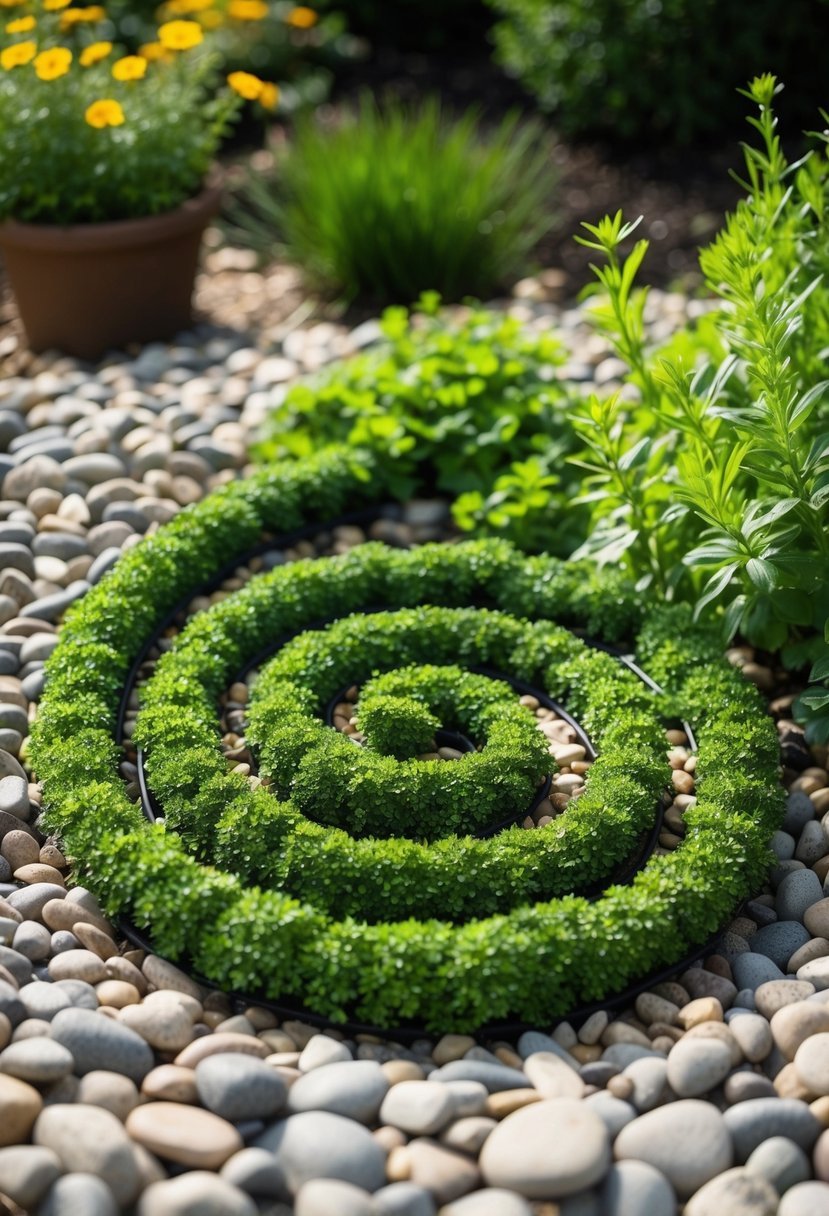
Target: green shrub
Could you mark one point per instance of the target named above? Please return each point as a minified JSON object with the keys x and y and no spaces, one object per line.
{"x":658,"y":70}
{"x":534,"y":963}
{"x":453,"y":407}
{"x":424,"y":25}
{"x":716,"y":486}
{"x":397,"y":200}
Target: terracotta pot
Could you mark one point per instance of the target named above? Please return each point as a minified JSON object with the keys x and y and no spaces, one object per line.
{"x":88,"y":288}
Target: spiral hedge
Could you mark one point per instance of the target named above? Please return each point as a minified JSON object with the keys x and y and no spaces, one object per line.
{"x":344,"y":877}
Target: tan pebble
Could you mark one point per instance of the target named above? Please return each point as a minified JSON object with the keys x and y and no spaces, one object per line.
{"x":109,"y":1090}
{"x":77,"y":965}
{"x":5,"y":1031}
{"x":261,"y":1019}
{"x":816,"y":947}
{"x":184,"y":1134}
{"x":122,"y":969}
{"x":682,"y":782}
{"x":167,"y":1027}
{"x":91,"y":937}
{"x":652,"y":1008}
{"x":277,"y":1040}
{"x":7,"y":977}
{"x":213,"y":1018}
{"x":20,"y":1105}
{"x":468,"y":1135}
{"x":452,"y":1047}
{"x":717,"y":1030}
{"x":621,"y":1087}
{"x":399,"y":1165}
{"x":170,"y":1083}
{"x":289,"y":1074}
{"x":820,"y":800}
{"x":447,"y":1175}
{"x":821,"y":866}
{"x":214,"y":1044}
{"x":39,"y":873}
{"x":663,"y":1042}
{"x":284,"y":1059}
{"x":19,"y":849}
{"x":793,"y":1024}
{"x":165,"y":996}
{"x":658,"y":1030}
{"x":9,"y":913}
{"x":703,"y":1009}
{"x":51,"y":856}
{"x":586,"y":1053}
{"x":389,"y":1138}
{"x":593,"y":1029}
{"x":63,"y":914}
{"x":789,"y":1085}
{"x":499,"y":1105}
{"x":402,"y":1070}
{"x":237,"y":1024}
{"x":117,"y":994}
{"x":508,"y":1056}
{"x":621,"y":1032}
{"x":763,"y":677}
{"x":162,"y":974}
{"x":820,"y":1109}
{"x":672,"y":992}
{"x":805,"y":784}
{"x":302,"y":1033}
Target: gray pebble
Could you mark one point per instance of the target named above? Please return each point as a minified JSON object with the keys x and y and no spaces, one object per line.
{"x":19,"y":966}
{"x":254,"y":1170}
{"x":27,"y":1172}
{"x":780,"y":941}
{"x":354,"y":1089}
{"x":196,"y":1193}
{"x":321,"y":1145}
{"x":79,"y":1193}
{"x":636,"y":1187}
{"x":781,"y":1162}
{"x":97,"y":1042}
{"x":14,"y":797}
{"x":40,"y":1061}
{"x":239,"y":1087}
{"x":403,"y":1199}
{"x":11,"y":1004}
{"x":496,"y":1077}
{"x":751,"y":970}
{"x":796,"y":893}
{"x":800,"y":810}
{"x":737,"y":1192}
{"x":752,"y":1122}
{"x":812,"y":844}
{"x":44,"y":1000}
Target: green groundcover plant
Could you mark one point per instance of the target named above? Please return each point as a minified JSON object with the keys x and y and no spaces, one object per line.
{"x":658,"y":69}
{"x":716,"y":486}
{"x":395,"y":200}
{"x":533,"y":962}
{"x":472,"y":409}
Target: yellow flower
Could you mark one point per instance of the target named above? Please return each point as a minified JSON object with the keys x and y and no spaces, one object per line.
{"x":247,"y":10}
{"x":15,"y":56}
{"x":211,"y":20}
{"x":269,"y":97}
{"x":52,"y":6}
{"x":75,"y":16}
{"x":302,"y":18}
{"x":53,"y":63}
{"x":131,"y":67}
{"x":154,"y":50}
{"x":12,"y":3}
{"x":104,"y":113}
{"x":180,"y":35}
{"x":246,"y":85}
{"x":21,"y":26}
{"x":180,"y":7}
{"x":94,"y":53}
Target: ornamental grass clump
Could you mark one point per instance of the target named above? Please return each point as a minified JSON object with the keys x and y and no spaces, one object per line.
{"x":398,"y":200}
{"x":92,"y":133}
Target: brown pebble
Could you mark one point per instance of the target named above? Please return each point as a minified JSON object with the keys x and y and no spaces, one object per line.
{"x":499,"y":1105}
{"x":39,"y":873}
{"x":184,"y":1134}
{"x":171,"y":1083}
{"x":703,"y":1009}
{"x":94,"y":939}
{"x":682,"y":782}
{"x":51,"y":856}
{"x":586,"y":1053}
{"x":117,"y":994}
{"x":718,"y":965}
{"x":118,"y":968}
{"x":10,"y":913}
{"x":19,"y":849}
{"x":620,"y":1086}
{"x":820,"y":1109}
{"x":64,"y":914}
{"x":215,"y":1044}
{"x":398,"y":1164}
{"x":402,"y":1070}
{"x":510,"y":1057}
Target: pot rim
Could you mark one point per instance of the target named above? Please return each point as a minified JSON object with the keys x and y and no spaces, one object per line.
{"x":115,"y":234}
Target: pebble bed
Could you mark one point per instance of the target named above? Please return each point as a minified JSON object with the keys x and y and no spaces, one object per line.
{"x":125,"y":1087}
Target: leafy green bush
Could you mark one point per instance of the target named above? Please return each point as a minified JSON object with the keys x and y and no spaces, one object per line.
{"x":397,"y":200}
{"x":655,"y":70}
{"x":534,"y":963}
{"x":460,"y":408}
{"x":716,"y":486}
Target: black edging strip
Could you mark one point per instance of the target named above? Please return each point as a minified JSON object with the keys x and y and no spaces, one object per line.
{"x":293,"y":1009}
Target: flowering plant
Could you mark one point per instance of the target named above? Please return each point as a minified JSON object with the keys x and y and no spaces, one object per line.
{"x":91,"y":133}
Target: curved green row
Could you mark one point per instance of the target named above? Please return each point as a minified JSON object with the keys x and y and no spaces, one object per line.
{"x":273,"y":843}
{"x":535,"y":963}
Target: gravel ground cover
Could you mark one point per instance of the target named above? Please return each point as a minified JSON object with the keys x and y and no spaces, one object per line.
{"x":125,"y":1086}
